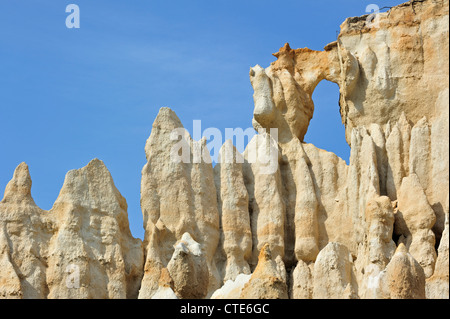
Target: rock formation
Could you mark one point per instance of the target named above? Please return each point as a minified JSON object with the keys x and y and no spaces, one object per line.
{"x":188,"y":269}
{"x":232,"y":289}
{"x":81,"y":248}
{"x":437,"y":286}
{"x":414,"y":220}
{"x":376,"y":252}
{"x":232,"y":198}
{"x":25,"y":233}
{"x":284,"y":219}
{"x":268,"y":281}
{"x":266,"y":205}
{"x":403,"y":277}
{"x":165,"y":288}
{"x":301,"y":281}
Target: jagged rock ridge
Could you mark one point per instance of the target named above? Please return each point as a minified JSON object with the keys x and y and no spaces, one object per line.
{"x":313,"y":227}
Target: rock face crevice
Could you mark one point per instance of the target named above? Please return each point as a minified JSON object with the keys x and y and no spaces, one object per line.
{"x":310,"y":226}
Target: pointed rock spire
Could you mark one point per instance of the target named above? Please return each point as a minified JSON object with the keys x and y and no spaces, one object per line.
{"x":404,"y":277}
{"x":19,"y":188}
{"x":93,"y":239}
{"x":232,"y":198}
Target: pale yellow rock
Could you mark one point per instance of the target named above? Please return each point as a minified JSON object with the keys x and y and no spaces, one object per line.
{"x":281,"y":268}
{"x":25,"y":231}
{"x":283,"y":91}
{"x":268,"y":281}
{"x":232,"y":288}
{"x":10,"y":287}
{"x":266,"y":206}
{"x":370,"y":63}
{"x":334,"y":217}
{"x":403,"y":278}
{"x":414,"y":220}
{"x":165,"y":289}
{"x":438,"y":178}
{"x":374,"y":254}
{"x":178,"y":195}
{"x":81,"y":248}
{"x":232,"y":198}
{"x":396,"y":153}
{"x":92,"y":253}
{"x":437,"y":286}
{"x":403,"y":61}
{"x":384,"y":148}
{"x":419,"y":159}
{"x":164,"y":293}
{"x":188,"y":269}
{"x":292,"y":204}
{"x":306,"y":224}
{"x":302,"y":205}
{"x":379,"y":141}
{"x":405,"y":129}
{"x":380,"y":223}
{"x":301,"y":281}
{"x":333,"y":272}
{"x":362,"y":181}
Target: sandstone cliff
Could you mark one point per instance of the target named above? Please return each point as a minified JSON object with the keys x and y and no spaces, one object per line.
{"x":81,"y":248}
{"x":311,"y":227}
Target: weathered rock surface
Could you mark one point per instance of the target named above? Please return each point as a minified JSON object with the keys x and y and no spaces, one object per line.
{"x":333,"y":274}
{"x":10,"y":282}
{"x":403,"y":278}
{"x":235,"y":247}
{"x":165,"y":288}
{"x":377,"y":250}
{"x":188,"y":269}
{"x":266,"y":205}
{"x":92,"y":234}
{"x":285,"y":218}
{"x":394,"y":138}
{"x":437,"y":286}
{"x":301,"y":281}
{"x":177,"y":196}
{"x":25,"y":231}
{"x":403,"y":59}
{"x":232,"y":289}
{"x":414,"y":220}
{"x":302,"y":205}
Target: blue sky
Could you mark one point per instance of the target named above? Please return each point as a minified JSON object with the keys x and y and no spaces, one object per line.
{"x":70,"y":95}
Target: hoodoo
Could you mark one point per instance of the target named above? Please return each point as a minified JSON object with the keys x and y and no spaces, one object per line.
{"x":311,"y":226}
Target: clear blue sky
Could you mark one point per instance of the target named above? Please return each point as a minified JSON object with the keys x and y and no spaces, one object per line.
{"x":70,"y":95}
